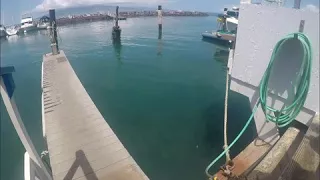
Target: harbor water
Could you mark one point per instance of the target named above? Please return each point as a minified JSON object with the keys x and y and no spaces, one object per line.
{"x":163,"y":98}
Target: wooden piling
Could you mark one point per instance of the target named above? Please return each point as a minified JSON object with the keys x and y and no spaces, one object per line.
{"x":53,"y":32}
{"x":116,"y":31}
{"x":160,"y":21}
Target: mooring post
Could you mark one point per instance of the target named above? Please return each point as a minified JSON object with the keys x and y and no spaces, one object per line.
{"x":53,"y":32}
{"x":116,"y":31}
{"x":160,"y":21}
{"x":117,"y":16}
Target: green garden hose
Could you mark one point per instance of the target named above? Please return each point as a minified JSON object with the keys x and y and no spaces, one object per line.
{"x":286,"y":114}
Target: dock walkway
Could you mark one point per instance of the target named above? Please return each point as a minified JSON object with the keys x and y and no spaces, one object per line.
{"x":81,"y":144}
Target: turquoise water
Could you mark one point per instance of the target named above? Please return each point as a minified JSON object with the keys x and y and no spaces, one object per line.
{"x":163,"y":98}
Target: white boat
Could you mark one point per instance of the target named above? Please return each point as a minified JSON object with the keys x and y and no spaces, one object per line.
{"x":232,"y":19}
{"x":43,"y":23}
{"x":227,"y":26}
{"x":27,"y":24}
{"x":3,"y":32}
{"x":13,"y":30}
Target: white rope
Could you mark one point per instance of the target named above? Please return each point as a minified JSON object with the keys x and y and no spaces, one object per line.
{"x":226,"y":117}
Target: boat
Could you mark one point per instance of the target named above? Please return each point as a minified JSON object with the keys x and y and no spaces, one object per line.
{"x":12,"y":30}
{"x":227,"y":26}
{"x":218,"y":36}
{"x":231,"y":18}
{"x":27,"y":24}
{"x":3,"y":32}
{"x":43,"y":23}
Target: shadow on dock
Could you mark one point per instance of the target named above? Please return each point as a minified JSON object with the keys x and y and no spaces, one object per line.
{"x":81,"y":161}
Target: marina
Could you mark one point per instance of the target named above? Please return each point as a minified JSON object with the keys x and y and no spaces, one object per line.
{"x":107,"y":114}
{"x":29,"y":24}
{"x":130,"y":73}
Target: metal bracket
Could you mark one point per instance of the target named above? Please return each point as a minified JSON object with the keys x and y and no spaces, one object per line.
{"x":301,"y":28}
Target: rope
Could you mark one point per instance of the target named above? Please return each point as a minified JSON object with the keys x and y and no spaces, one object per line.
{"x":226,"y":118}
{"x":287,"y":114}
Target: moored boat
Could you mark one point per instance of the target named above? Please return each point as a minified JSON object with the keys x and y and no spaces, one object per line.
{"x":27,"y":24}
{"x":43,"y":23}
{"x":227,"y":26}
{"x":12,"y":30}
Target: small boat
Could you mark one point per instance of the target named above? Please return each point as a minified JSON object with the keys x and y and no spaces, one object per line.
{"x":3,"y":32}
{"x":43,"y":23}
{"x":13,"y":30}
{"x":231,"y":19}
{"x":227,"y":26}
{"x":27,"y":24}
{"x":219,"y":36}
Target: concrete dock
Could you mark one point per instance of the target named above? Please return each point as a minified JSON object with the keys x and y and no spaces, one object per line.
{"x":80,"y":142}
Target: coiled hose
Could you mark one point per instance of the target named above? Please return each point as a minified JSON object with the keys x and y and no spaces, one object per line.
{"x":286,"y":114}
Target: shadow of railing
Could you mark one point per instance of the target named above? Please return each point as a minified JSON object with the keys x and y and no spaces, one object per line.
{"x":81,"y":161}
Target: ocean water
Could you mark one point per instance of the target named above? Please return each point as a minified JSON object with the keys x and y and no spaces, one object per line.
{"x":163,"y":98}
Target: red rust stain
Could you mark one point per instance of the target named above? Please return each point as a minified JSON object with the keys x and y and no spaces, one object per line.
{"x":245,"y":159}
{"x":240,"y":167}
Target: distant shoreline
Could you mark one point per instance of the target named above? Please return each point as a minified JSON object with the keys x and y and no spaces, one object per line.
{"x":73,"y":19}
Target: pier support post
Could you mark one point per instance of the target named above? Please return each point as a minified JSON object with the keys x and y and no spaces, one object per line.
{"x":160,"y":21}
{"x":116,"y":31}
{"x":53,"y":32}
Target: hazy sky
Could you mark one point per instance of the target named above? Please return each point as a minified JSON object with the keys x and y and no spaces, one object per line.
{"x":11,"y":10}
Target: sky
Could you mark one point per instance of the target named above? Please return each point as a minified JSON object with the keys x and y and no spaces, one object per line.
{"x":12,"y":10}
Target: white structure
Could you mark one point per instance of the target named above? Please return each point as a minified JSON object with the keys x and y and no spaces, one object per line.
{"x":34,"y":167}
{"x":260,"y":28}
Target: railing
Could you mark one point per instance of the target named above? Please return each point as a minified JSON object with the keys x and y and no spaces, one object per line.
{"x":32,"y":171}
{"x":34,"y":167}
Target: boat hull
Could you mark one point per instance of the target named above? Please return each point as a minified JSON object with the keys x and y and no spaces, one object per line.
{"x":28,"y":28}
{"x":12,"y":32}
{"x":43,"y":26}
{"x":214,"y":36}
